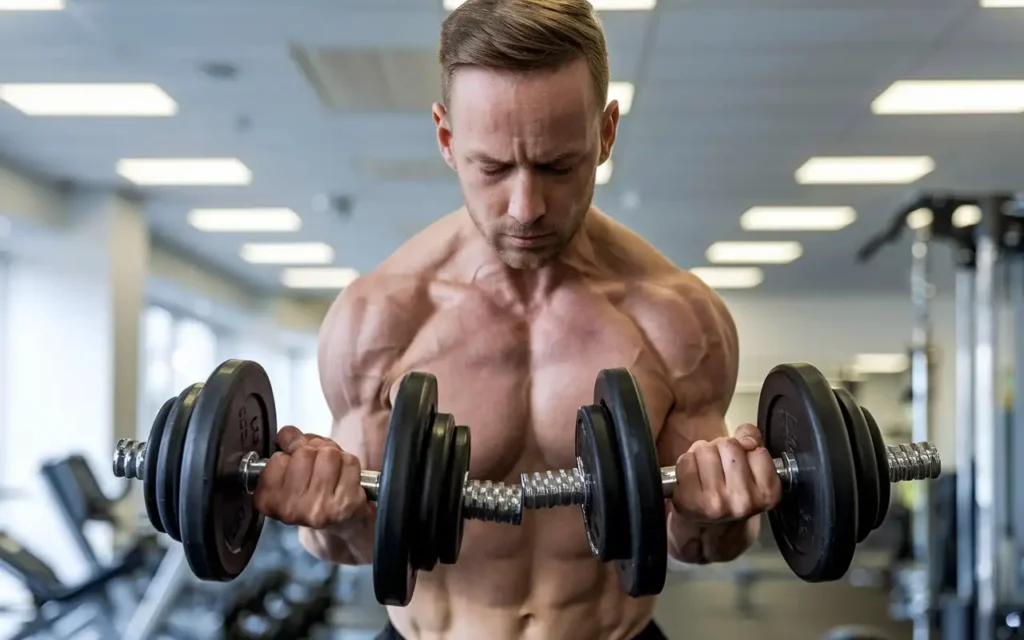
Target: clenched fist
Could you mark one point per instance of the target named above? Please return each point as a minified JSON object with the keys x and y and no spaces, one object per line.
{"x":727,"y":479}
{"x":312,"y":483}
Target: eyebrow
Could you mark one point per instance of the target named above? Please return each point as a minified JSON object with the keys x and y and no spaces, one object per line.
{"x":484,"y":158}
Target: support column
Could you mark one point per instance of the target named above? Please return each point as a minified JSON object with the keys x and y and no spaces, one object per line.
{"x":76,"y":297}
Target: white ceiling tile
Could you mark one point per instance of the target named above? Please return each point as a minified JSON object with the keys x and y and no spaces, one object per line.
{"x":799,"y":28}
{"x":732,"y":96}
{"x":991,"y":26}
{"x":857,"y":64}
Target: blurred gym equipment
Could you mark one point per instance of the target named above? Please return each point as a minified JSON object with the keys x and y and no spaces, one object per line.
{"x":63,"y":610}
{"x":986,"y":233}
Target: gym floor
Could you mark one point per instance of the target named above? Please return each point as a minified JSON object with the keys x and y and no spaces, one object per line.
{"x":705,"y":604}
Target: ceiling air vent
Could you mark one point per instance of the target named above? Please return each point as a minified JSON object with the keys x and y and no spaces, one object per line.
{"x":362,"y":79}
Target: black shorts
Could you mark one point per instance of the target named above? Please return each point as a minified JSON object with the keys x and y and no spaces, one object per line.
{"x":650,"y":632}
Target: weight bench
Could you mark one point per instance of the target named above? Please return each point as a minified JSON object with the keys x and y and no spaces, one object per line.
{"x":54,"y":601}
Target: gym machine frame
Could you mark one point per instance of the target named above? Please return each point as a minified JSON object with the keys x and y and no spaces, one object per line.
{"x":989,"y":324}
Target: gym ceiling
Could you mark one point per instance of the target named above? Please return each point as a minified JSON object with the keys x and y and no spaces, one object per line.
{"x":324,"y":104}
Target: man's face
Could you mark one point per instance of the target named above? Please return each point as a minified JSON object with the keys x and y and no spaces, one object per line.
{"x":526,"y":148}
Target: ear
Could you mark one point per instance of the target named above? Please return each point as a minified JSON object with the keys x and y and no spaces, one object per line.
{"x":609,"y":127}
{"x":445,"y":137}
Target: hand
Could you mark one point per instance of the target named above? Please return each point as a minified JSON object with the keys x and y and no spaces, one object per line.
{"x":311,"y":482}
{"x":726,"y":480}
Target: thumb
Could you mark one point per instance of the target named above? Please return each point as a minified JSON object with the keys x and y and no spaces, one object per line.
{"x":749,"y":436}
{"x":289,"y":439}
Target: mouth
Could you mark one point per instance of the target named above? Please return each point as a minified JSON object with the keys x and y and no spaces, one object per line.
{"x":528,"y":241}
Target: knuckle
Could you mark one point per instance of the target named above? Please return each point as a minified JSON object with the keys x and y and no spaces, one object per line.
{"x":329,"y":455}
{"x":317,"y":519}
{"x":287,"y":515}
{"x":714,"y":507}
{"x":742,"y":506}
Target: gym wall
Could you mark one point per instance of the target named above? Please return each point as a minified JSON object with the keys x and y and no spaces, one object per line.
{"x":830,"y":331}
{"x":73,"y":376}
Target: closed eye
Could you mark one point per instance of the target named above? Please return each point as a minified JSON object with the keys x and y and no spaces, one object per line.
{"x":494,"y":170}
{"x":558,"y":171}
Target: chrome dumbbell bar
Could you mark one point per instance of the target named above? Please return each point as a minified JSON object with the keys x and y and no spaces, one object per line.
{"x":501,"y":502}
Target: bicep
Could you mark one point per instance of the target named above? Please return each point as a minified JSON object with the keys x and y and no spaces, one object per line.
{"x":702,"y":364}
{"x":359,"y":344}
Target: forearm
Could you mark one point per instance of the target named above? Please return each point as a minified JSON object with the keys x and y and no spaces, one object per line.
{"x":702,"y":544}
{"x":352,"y":547}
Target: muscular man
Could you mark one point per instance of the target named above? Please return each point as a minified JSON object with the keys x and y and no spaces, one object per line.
{"x":515,"y":302}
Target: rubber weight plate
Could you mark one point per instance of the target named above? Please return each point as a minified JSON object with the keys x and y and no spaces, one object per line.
{"x":451,"y":525}
{"x":605,"y":509}
{"x":150,"y":475}
{"x":431,"y":506}
{"x":234,"y":414}
{"x":643,"y":572}
{"x":815,"y":524}
{"x":169,"y":460}
{"x":864,"y":463}
{"x":401,"y":473}
{"x":882,"y":462}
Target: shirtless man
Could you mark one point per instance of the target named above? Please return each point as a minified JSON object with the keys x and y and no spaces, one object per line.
{"x":515,"y":302}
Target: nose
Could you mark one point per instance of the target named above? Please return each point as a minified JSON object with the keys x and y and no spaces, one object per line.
{"x":526,"y":203}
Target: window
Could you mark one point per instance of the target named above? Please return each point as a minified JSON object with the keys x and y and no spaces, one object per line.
{"x":315,"y":414}
{"x":177,"y":352}
{"x":4,"y":306}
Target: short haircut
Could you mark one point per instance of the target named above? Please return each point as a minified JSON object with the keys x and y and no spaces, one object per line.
{"x":523,"y":36}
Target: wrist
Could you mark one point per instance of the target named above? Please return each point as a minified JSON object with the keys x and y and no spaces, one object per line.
{"x":700,"y":543}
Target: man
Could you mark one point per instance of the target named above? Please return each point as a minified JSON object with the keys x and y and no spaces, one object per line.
{"x":515,"y":302}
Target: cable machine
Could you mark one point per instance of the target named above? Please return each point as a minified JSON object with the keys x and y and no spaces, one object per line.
{"x":981,"y":597}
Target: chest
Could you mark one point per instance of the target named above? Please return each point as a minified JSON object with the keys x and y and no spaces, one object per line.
{"x":517,"y":379}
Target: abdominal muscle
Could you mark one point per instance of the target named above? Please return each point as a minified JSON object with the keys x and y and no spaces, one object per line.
{"x":538,"y":581}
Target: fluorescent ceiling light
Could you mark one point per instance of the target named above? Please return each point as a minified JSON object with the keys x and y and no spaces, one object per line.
{"x":754,"y":252}
{"x":951,"y":96}
{"x":865,"y":170}
{"x":322,"y":278}
{"x":966,"y":215}
{"x":600,"y":5}
{"x":245,"y":220}
{"x":604,"y":172}
{"x":729,"y":277}
{"x":31,"y":5}
{"x":797,"y":218}
{"x":881,"y":363}
{"x":287,"y":253}
{"x":72,"y":99}
{"x":1001,"y":4}
{"x":920,"y":218}
{"x":184,"y":171}
{"x":623,"y":92}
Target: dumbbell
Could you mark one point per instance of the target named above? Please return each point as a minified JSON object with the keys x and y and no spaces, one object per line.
{"x":828,"y":451}
{"x":212,"y":442}
{"x":208,"y":446}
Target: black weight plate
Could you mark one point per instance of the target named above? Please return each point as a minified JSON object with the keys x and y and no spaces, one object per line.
{"x":606,"y":508}
{"x":643,"y":573}
{"x":401,"y":472}
{"x":150,"y":475}
{"x":234,"y":414}
{"x":450,"y":536}
{"x":882,"y":459}
{"x":864,"y":464}
{"x":815,"y":525}
{"x":431,"y":508}
{"x":169,"y":460}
